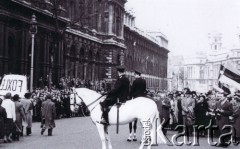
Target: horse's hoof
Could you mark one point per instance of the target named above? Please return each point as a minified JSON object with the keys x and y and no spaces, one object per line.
{"x":129,"y":138}
{"x":134,"y":138}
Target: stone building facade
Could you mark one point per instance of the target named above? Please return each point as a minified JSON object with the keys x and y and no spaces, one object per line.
{"x":147,"y":53}
{"x":78,"y":38}
{"x":201,"y":72}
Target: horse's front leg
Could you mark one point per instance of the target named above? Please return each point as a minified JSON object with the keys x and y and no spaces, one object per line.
{"x":108,"y":138}
{"x":101,"y":132}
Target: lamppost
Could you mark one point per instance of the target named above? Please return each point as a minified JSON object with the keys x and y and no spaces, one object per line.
{"x":33,"y":31}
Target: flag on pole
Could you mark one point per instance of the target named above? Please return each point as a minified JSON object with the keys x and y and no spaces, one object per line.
{"x":230,"y":76}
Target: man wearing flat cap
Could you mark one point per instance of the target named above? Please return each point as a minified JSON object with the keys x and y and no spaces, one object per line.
{"x":119,"y":92}
{"x":138,"y":89}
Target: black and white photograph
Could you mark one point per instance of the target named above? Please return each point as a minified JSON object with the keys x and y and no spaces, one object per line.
{"x":119,"y":74}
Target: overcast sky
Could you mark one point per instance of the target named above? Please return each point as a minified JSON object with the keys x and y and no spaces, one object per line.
{"x":187,"y":23}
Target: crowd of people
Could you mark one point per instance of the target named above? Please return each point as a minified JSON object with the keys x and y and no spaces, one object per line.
{"x":188,"y":108}
{"x":185,"y":108}
{"x":68,"y":82}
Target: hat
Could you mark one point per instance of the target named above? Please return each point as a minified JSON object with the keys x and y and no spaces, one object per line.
{"x":188,"y":92}
{"x":194,"y":93}
{"x":48,"y":96}
{"x":137,"y":72}
{"x":120,"y":68}
{"x":16,"y":97}
{"x":8,"y":95}
{"x":27,"y":95}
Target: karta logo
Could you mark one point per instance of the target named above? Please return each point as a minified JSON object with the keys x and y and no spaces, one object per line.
{"x":182,"y":138}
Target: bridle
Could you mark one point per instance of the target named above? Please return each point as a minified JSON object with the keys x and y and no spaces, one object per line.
{"x":91,"y":102}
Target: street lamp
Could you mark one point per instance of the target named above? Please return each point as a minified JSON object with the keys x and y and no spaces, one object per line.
{"x":33,"y":31}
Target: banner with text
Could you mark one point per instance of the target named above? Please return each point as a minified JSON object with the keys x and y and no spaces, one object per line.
{"x":15,"y":84}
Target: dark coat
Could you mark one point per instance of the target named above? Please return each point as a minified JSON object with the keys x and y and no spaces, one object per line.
{"x":49,"y":113}
{"x":166,"y":106}
{"x":223,"y":117}
{"x":236,"y":124}
{"x":3,"y":117}
{"x":180,"y":116}
{"x":120,"y":90}
{"x":200,"y":112}
{"x":138,"y":88}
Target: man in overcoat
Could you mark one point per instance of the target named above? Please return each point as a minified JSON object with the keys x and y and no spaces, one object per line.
{"x":48,"y":115}
{"x":28,"y":107}
{"x":119,"y":92}
{"x":223,"y":111}
{"x":188,"y":105}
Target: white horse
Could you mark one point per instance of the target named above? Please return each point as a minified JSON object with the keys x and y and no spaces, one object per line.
{"x":141,"y":108}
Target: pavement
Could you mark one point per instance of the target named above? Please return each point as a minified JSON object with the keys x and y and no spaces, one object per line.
{"x":81,"y":133}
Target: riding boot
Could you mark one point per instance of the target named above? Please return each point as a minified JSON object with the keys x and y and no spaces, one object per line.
{"x":104,"y":120}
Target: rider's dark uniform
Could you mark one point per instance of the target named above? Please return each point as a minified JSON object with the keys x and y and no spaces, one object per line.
{"x":119,"y":92}
{"x":138,"y":88}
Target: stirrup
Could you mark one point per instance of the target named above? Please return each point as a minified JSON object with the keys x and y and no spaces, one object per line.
{"x":104,"y":122}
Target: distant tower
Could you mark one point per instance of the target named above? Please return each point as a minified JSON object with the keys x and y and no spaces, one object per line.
{"x":215,"y":41}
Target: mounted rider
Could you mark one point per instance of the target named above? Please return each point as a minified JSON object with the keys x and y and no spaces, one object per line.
{"x":138,"y":89}
{"x":119,"y":92}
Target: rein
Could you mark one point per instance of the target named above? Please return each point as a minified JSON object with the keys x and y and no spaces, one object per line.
{"x":91,"y":102}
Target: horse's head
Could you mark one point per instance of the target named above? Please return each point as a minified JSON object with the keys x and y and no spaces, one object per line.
{"x":86,"y":95}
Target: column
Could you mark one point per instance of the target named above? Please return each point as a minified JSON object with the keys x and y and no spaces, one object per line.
{"x":23,"y":47}
{"x":99,"y":23}
{"x":5,"y":53}
{"x":85,"y":65}
{"x":93,"y":72}
{"x":110,"y":20}
{"x":76,"y":69}
{"x":122,"y":25}
{"x":1,"y":47}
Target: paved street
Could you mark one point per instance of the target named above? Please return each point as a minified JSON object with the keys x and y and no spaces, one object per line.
{"x":80,"y":133}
